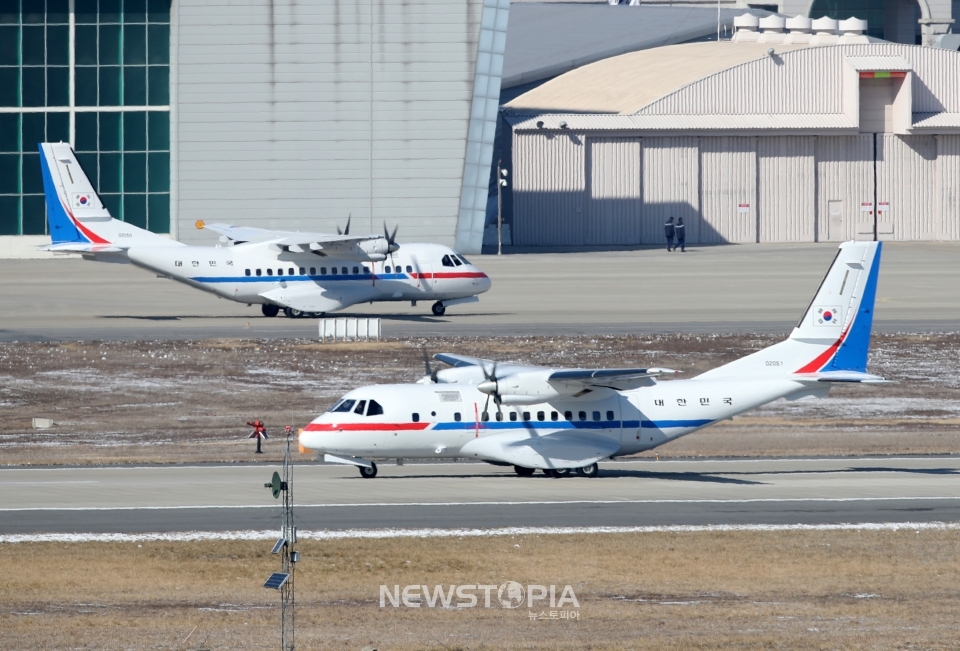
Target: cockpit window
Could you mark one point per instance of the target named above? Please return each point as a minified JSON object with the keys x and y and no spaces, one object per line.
{"x":446,"y":261}
{"x":465,"y":261}
{"x":374,"y":409}
{"x":344,"y":405}
{"x":360,"y":407}
{"x":456,"y":260}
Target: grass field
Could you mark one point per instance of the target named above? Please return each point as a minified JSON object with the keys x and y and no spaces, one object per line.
{"x":862,"y":589}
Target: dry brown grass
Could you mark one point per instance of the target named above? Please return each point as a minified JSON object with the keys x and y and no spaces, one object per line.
{"x":730,"y":590}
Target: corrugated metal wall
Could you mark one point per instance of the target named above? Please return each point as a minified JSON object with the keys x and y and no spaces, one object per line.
{"x":615,"y":200}
{"x":277,"y":123}
{"x":728,"y":178}
{"x":548,"y":189}
{"x":948,"y":187}
{"x":906,"y":176}
{"x":670,"y":186}
{"x":844,"y":180}
{"x":786,"y":188}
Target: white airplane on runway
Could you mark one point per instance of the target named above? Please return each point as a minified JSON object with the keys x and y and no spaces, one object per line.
{"x":302,"y":273}
{"x":560,"y":420}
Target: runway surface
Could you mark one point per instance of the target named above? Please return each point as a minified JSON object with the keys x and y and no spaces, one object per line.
{"x":468,"y":495}
{"x":749,"y":288}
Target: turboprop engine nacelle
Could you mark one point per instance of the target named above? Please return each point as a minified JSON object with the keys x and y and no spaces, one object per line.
{"x":375,"y":250}
{"x":372,"y":250}
{"x":527,"y":388}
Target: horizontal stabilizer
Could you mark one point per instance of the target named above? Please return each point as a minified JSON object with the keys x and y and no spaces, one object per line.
{"x":839,"y":376}
{"x":79,"y":247}
{"x":559,"y":449}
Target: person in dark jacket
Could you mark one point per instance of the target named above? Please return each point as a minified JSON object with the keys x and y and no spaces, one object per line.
{"x":681,"y":232}
{"x":668,"y":230}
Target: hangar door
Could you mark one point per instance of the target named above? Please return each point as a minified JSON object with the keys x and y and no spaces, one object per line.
{"x":614,"y":199}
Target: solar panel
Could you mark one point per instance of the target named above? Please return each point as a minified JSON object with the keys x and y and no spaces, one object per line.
{"x":276,"y":580}
{"x":280,"y":543}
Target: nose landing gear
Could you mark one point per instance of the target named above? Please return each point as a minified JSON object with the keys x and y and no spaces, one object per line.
{"x":368,"y":473}
{"x":439,"y":308}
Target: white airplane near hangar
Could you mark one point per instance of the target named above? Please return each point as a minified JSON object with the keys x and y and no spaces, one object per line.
{"x":300,"y":273}
{"x":558,"y":419}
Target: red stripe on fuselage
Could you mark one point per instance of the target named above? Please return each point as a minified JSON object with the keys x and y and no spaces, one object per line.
{"x":336,"y":427}
{"x":452,"y":274}
{"x":824,"y":357}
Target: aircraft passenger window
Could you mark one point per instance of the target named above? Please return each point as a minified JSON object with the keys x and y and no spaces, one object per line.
{"x":360,"y":407}
{"x":416,"y":417}
{"x":269,"y":272}
{"x":499,"y":416}
{"x":374,"y":409}
{"x":344,"y":271}
{"x":386,"y":269}
{"x":526,"y":415}
{"x":554,"y":415}
{"x":345,"y":405}
{"x":409,"y":269}
{"x":568,"y":415}
{"x":485,"y":416}
{"x":356,"y":270}
{"x":258,"y":272}
{"x":541,"y":415}
{"x":333,"y":271}
{"x":366,"y":269}
{"x":290,"y":271}
{"x":303,"y":272}
{"x":582,"y":415}
{"x":313,"y":271}
{"x":323,"y":271}
{"x":279,"y":272}
{"x":446,"y":262}
{"x":596,"y":415}
{"x":456,"y":416}
{"x":246,"y":272}
{"x":513,"y":415}
{"x":609,"y":415}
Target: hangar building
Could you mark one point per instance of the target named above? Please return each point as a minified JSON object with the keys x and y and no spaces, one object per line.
{"x":807,"y":143}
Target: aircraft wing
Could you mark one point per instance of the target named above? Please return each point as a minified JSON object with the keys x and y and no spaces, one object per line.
{"x":603,"y":376}
{"x":285,"y":238}
{"x":312,"y":298}
{"x":556,"y":449}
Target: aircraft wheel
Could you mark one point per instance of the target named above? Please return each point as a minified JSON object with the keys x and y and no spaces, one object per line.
{"x":523,"y":472}
{"x":368,"y":473}
{"x":292,"y":312}
{"x":589,"y":471}
{"x":269,"y":310}
{"x":438,"y":309}
{"x":562,"y":472}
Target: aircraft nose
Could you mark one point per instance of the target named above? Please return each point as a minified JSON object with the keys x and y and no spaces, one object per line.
{"x":484,"y":282}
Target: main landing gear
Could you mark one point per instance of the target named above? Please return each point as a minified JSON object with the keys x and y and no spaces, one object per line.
{"x":587,"y":471}
{"x":269,"y":310}
{"x":438,"y":308}
{"x":368,"y":473}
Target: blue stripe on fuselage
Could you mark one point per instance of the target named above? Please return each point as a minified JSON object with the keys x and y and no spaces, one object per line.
{"x":572,"y":425}
{"x":261,"y":279}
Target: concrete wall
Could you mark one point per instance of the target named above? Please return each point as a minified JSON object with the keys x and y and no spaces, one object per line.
{"x":295,"y":115}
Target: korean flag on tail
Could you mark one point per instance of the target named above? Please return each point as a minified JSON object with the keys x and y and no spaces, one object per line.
{"x":82,"y":200}
{"x":827,"y":316}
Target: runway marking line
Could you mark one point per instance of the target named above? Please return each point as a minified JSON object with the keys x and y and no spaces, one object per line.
{"x":458,"y":533}
{"x":533,"y":503}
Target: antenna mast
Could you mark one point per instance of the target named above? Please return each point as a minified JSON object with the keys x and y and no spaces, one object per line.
{"x":283,"y":581}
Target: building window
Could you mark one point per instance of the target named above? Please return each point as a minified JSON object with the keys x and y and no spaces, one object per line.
{"x":121,"y":59}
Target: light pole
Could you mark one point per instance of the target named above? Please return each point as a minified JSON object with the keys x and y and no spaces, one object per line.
{"x":501,"y":183}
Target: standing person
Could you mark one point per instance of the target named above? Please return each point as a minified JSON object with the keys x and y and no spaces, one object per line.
{"x":681,"y":231}
{"x":668,"y":230}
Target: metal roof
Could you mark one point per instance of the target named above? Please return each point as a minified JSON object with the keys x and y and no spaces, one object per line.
{"x":547,"y":39}
{"x":885,"y":63}
{"x":627,"y":83}
{"x":764,"y":122}
{"x":936,"y":120}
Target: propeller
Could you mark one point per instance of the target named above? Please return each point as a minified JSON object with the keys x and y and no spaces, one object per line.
{"x":490,"y":386}
{"x":426,"y":364}
{"x":346,"y":230}
{"x":391,"y":237}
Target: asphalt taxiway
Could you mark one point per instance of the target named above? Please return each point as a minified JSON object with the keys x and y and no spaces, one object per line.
{"x":471,"y":495}
{"x":717,"y":289}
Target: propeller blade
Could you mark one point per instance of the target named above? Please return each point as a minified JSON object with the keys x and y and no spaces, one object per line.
{"x":426,"y":364}
{"x":346,"y":230}
{"x":391,"y":237}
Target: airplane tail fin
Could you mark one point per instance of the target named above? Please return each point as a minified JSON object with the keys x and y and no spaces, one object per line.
{"x":76,"y":216}
{"x":833,"y":337}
